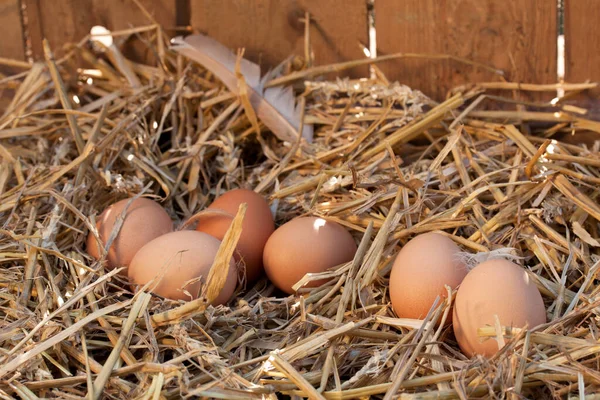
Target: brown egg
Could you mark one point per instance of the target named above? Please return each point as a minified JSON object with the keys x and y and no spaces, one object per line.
{"x":306,"y":245}
{"x":258,"y":225}
{"x":420,"y":271}
{"x":495,"y":287}
{"x":177,"y":260}
{"x":144,"y":220}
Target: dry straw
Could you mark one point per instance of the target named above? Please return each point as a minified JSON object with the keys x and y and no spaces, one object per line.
{"x":386,"y":162}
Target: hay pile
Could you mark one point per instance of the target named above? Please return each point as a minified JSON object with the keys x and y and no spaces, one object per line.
{"x":387,"y":163}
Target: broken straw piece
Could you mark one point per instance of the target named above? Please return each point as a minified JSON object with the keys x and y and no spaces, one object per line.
{"x":101,"y":35}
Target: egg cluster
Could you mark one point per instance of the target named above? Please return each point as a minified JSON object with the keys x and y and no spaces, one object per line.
{"x":175,"y":264}
{"x":494,"y":290}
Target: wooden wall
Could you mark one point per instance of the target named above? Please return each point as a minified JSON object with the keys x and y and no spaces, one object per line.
{"x":272,"y":29}
{"x":517,"y":36}
{"x":61,"y":21}
{"x":582,"y":44}
{"x":11,"y":30}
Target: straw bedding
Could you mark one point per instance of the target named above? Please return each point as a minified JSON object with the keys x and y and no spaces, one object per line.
{"x":386,"y":162}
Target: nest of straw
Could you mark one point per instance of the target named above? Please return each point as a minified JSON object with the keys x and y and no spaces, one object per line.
{"x":387,"y":163}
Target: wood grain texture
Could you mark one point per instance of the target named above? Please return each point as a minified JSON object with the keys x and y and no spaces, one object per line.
{"x":517,"y":36}
{"x":68,"y":21}
{"x":11,"y":30}
{"x":582,"y":48}
{"x":271,"y":30}
{"x":12,"y":44}
{"x":582,"y":40}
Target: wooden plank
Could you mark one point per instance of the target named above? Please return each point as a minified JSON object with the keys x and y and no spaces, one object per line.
{"x":517,"y":36}
{"x":582,"y":40}
{"x":271,"y":30}
{"x":11,"y":30}
{"x":68,"y":21}
{"x":12,"y":44}
{"x":60,"y":21}
{"x":582,"y":48}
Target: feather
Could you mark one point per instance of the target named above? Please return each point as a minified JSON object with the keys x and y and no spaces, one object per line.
{"x":276,"y":107}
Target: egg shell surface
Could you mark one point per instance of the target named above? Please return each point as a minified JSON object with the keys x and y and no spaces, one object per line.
{"x":495,"y":287}
{"x":143,"y":221}
{"x":257,"y":226}
{"x":306,"y":245}
{"x":175,"y":259}
{"x":420,"y":272}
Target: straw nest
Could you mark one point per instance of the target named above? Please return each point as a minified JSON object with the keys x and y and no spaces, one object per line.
{"x":387,"y":163}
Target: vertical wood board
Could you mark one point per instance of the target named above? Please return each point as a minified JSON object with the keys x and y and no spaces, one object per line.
{"x":516,"y":36}
{"x":271,"y":30}
{"x":11,"y":30}
{"x":582,"y":40}
{"x":12,"y":44}
{"x":582,"y":48}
